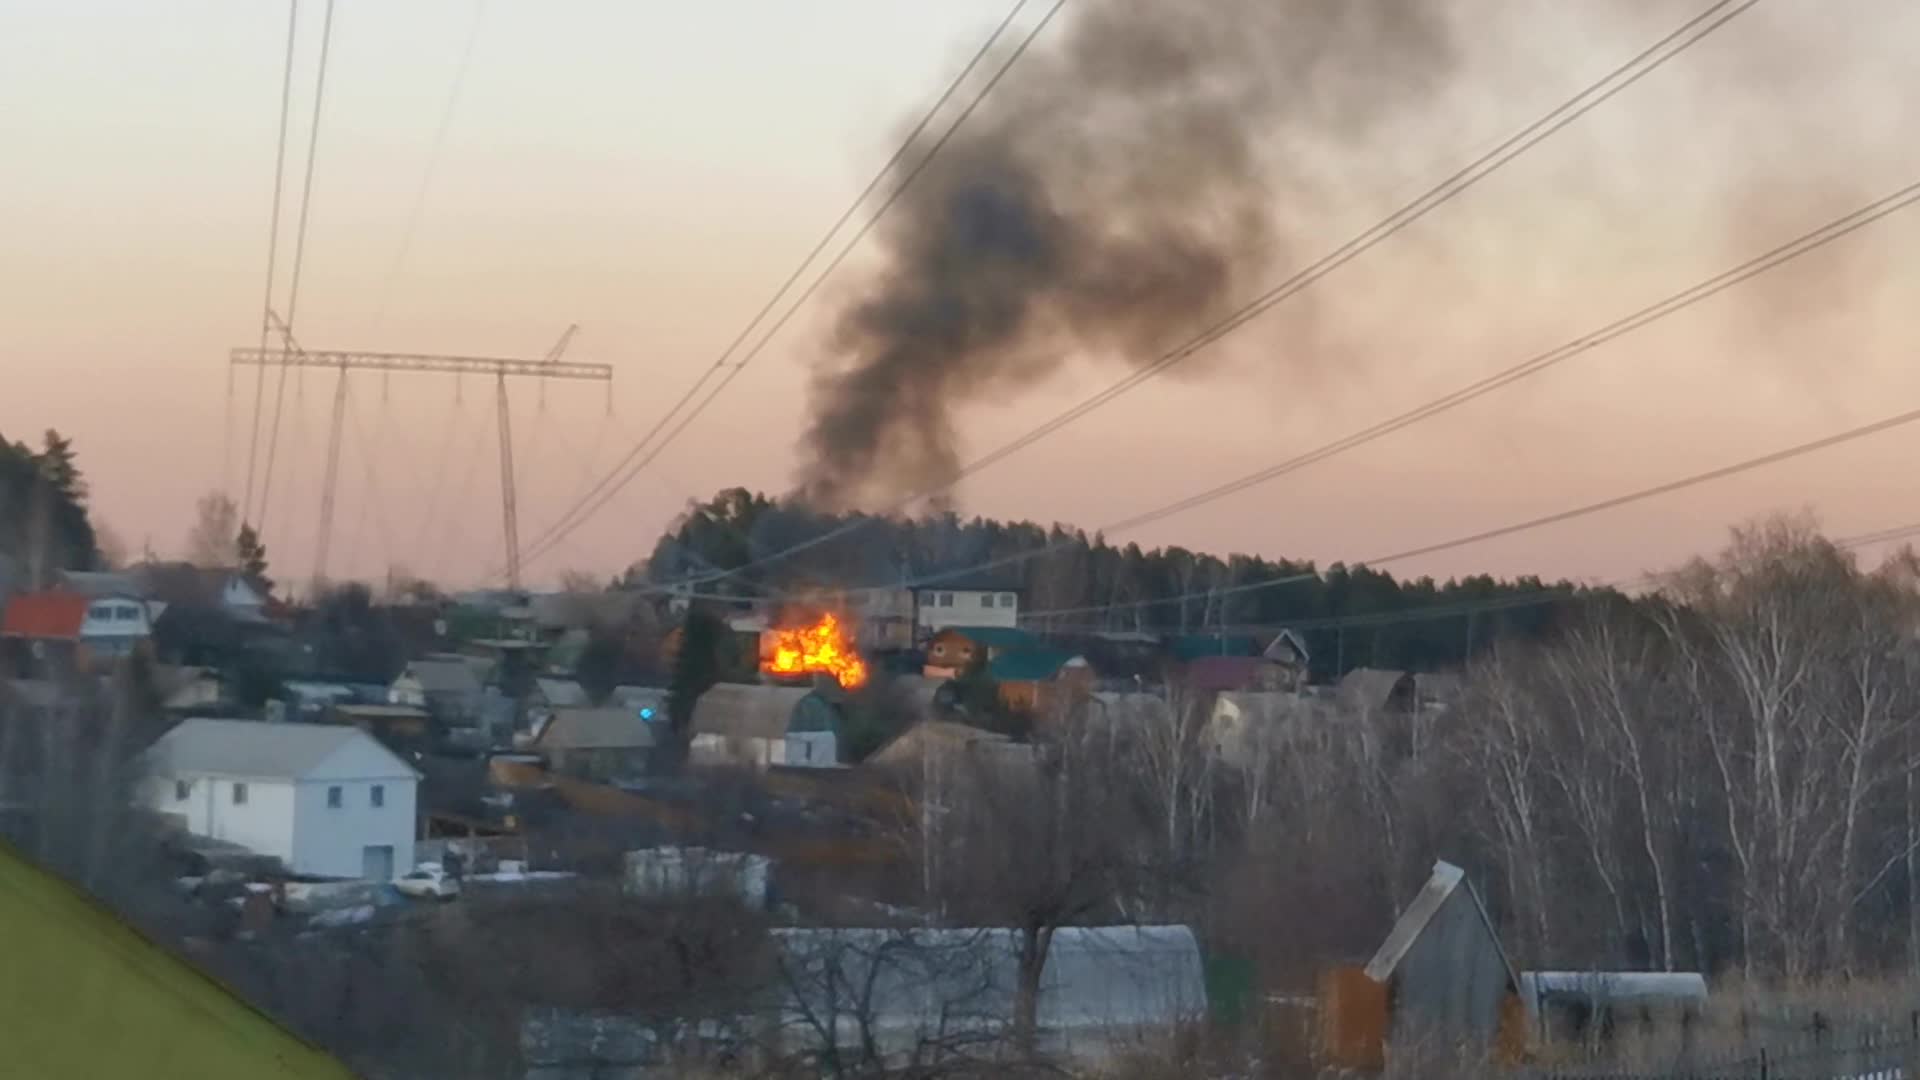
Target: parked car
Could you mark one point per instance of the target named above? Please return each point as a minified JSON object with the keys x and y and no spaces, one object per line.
{"x":428,"y":882}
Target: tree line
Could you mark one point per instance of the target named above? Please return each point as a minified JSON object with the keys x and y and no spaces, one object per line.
{"x":1413,"y":623}
{"x":1718,"y":777}
{"x":44,"y":527}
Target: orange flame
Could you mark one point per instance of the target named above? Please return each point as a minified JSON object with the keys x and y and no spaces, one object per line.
{"x":823,"y":647}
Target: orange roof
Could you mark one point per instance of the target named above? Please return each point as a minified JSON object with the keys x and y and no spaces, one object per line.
{"x":54,"y":614}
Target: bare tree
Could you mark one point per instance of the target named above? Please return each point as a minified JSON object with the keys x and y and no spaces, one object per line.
{"x":891,"y":1001}
{"x":114,"y":553}
{"x":1037,"y":845}
{"x":216,"y":529}
{"x":1503,"y":743}
{"x":1175,"y":765}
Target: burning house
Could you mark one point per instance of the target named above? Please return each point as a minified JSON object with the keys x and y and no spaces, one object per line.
{"x":801,"y":651}
{"x":792,"y":716}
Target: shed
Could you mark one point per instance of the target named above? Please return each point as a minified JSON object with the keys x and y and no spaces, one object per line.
{"x":1375,"y":691}
{"x":1446,"y":975}
{"x":1243,"y":724}
{"x":607,"y":743}
{"x":759,"y":725}
{"x":1575,"y":1003}
{"x":450,"y":687}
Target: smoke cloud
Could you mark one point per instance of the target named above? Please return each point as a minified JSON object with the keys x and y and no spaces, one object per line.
{"x":1117,"y":192}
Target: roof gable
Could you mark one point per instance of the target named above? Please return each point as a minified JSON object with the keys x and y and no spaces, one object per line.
{"x":1447,"y":882}
{"x":361,"y":757}
{"x":1287,"y":647}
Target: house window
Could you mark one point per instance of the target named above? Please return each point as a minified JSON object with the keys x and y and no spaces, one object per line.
{"x":333,"y":797}
{"x":1006,"y":600}
{"x":946,"y":599}
{"x":379,"y":795}
{"x":182,"y":789}
{"x":986,"y":599}
{"x":239,"y":793}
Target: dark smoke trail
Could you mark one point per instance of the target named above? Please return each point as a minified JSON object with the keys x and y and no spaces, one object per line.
{"x":1113,"y":196}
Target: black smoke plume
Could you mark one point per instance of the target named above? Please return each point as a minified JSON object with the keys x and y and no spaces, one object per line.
{"x":1118,"y":190}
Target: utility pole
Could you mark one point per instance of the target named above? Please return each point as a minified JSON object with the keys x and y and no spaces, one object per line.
{"x":344,"y":361}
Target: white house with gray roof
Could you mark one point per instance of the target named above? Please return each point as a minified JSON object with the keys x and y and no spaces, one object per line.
{"x":324,"y":799}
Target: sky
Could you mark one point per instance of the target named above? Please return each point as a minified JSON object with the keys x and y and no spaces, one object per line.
{"x":652,"y":171}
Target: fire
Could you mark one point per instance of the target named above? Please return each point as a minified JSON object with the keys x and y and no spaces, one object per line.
{"x":823,"y":647}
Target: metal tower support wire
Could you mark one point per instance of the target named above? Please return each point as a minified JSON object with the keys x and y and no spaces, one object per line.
{"x":344,"y":361}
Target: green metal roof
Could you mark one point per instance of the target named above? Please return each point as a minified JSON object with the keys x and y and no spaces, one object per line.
{"x":1028,"y":665}
{"x":997,"y":637}
{"x":814,"y":713}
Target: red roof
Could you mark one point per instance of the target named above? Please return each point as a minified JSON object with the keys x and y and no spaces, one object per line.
{"x":55,"y":614}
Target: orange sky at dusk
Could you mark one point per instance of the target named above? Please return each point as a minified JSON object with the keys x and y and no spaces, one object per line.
{"x":651,"y":171}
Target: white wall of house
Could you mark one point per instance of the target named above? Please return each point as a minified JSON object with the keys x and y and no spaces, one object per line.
{"x":753,"y":752}
{"x":812,"y":749}
{"x":801,"y":749}
{"x":406,"y":690}
{"x":296,"y":821}
{"x":238,"y":596}
{"x":115,"y":617}
{"x":936,"y":609}
{"x":263,"y":822}
{"x":332,"y":840}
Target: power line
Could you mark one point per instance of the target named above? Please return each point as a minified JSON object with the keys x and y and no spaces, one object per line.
{"x":415,"y":213}
{"x":439,"y":473}
{"x":1645,"y":63}
{"x":1614,"y":502}
{"x":609,"y":485}
{"x":273,"y":252}
{"x":1807,"y":242}
{"x":299,"y":257}
{"x":1793,"y":249}
{"x":369,"y":454}
{"x":1564,"y":591}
